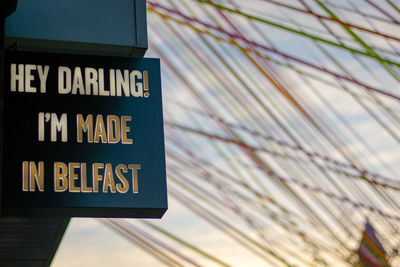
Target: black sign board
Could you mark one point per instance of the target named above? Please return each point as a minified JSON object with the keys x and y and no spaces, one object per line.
{"x":83,"y":136}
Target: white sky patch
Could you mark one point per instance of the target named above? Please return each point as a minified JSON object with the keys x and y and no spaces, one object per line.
{"x":89,"y":243}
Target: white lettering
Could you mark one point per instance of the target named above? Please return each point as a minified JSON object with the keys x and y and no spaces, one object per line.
{"x":136,"y":87}
{"x":17,"y":77}
{"x":29,"y":78}
{"x":64,"y":80}
{"x":122,"y":82}
{"x":102,"y":92}
{"x":43,"y":77}
{"x":59,"y":126}
{"x":91,"y":81}
{"x":77,"y":83}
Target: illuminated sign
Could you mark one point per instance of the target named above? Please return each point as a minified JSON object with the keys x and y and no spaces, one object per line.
{"x":83,"y":136}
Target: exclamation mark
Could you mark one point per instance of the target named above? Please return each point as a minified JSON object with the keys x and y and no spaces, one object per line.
{"x":146,"y":84}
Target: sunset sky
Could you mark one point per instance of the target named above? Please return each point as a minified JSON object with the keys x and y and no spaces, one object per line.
{"x":282,"y":137}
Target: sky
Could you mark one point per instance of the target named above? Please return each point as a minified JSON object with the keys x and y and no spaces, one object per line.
{"x":281,"y":130}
